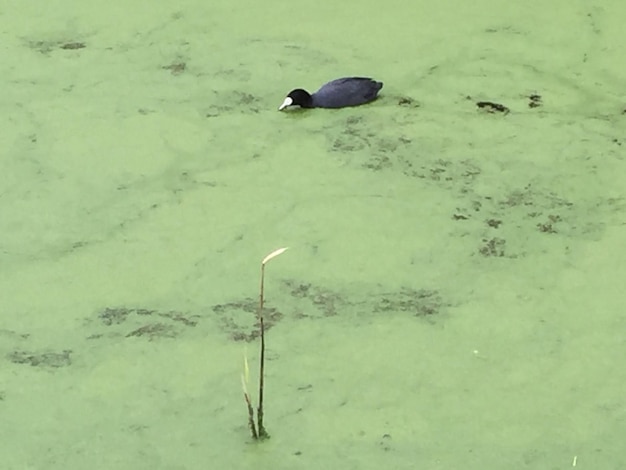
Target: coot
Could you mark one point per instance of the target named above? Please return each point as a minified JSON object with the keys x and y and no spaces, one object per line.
{"x":349,"y":91}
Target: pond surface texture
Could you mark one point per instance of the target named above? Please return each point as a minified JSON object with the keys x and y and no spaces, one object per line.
{"x":453,"y":295}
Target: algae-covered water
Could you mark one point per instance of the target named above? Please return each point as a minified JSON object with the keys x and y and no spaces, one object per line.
{"x":453,"y":293}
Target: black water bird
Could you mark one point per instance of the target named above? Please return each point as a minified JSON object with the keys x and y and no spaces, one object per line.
{"x":339,"y":93}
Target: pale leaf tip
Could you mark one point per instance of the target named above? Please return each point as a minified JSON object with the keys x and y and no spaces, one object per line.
{"x":274,"y":254}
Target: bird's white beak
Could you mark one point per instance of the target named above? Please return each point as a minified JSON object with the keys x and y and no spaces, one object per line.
{"x":288,"y":102}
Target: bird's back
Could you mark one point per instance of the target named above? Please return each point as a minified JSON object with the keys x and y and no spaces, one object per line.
{"x":349,"y":91}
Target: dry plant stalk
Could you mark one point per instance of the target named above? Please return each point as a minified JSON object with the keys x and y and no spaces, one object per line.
{"x":244,"y":383}
{"x":258,"y":431}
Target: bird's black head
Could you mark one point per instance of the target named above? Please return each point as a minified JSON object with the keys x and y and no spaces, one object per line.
{"x":298,"y":97}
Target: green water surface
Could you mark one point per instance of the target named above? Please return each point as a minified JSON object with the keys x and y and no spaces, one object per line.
{"x":453,"y":295}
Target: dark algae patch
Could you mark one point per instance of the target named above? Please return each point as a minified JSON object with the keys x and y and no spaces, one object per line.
{"x":320,"y":301}
{"x":144,"y":322}
{"x":491,"y":107}
{"x":418,"y":303}
{"x":492,"y":195}
{"x":176,"y":67}
{"x":42,"y":359}
{"x":239,"y":319}
{"x":493,"y":247}
{"x":46,"y":46}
